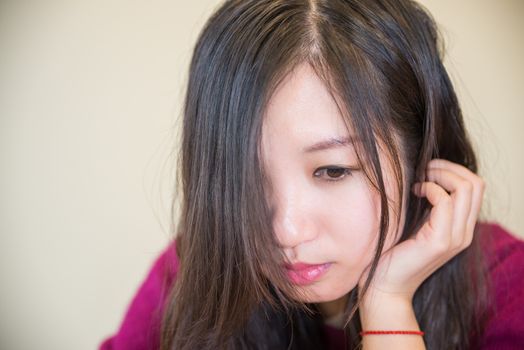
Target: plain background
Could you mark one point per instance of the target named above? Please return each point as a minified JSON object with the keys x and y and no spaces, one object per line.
{"x":90,"y":94}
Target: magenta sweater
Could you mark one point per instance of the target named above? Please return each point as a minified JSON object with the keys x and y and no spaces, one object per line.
{"x":140,"y":329}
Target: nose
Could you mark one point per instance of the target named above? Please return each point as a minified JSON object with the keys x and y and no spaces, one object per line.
{"x":294,"y":222}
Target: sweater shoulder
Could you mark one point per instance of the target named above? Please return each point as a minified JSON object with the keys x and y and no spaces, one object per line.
{"x":140,"y":327}
{"x":505,"y":264}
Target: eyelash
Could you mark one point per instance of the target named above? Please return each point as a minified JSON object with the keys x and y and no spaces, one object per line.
{"x":345,"y":173}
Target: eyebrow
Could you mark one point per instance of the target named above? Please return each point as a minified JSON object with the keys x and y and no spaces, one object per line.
{"x":333,"y":142}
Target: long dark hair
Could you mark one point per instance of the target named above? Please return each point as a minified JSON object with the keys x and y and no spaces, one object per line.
{"x":382,"y":60}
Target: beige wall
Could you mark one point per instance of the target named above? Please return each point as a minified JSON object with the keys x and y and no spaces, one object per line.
{"x":89,"y":92}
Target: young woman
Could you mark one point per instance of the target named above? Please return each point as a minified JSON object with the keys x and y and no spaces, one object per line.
{"x":330,"y":195}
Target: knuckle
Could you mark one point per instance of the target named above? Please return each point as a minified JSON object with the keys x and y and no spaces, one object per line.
{"x":467,"y":242}
{"x":460,"y":244}
{"x":446,"y":200}
{"x":441,"y":246}
{"x":466,"y":186}
{"x":481,"y":184}
{"x":466,"y":239}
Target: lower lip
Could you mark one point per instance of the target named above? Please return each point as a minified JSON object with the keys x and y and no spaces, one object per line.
{"x":307,"y":275}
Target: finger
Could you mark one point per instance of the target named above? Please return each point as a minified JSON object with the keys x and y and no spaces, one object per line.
{"x":461,"y":194}
{"x":476,"y":204}
{"x":446,"y":164}
{"x":441,"y":214}
{"x":479,"y":187}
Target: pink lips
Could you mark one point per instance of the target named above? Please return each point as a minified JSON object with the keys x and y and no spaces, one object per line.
{"x":303,"y":274}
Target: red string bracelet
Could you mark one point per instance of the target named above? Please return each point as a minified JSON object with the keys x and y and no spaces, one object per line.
{"x":391,"y":332}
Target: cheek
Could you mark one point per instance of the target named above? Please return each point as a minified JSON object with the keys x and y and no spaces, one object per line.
{"x":354,"y":222}
{"x":351,"y":223}
{"x":350,"y":220}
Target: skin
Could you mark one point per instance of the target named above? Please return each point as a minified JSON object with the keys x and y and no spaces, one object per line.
{"x":332,"y":216}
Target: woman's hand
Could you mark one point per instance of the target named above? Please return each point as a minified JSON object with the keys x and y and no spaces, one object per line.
{"x":456,"y":196}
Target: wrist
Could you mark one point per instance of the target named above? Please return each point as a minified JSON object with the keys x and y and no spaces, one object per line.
{"x":380,"y":311}
{"x":377,"y":298}
{"x":388,"y":313}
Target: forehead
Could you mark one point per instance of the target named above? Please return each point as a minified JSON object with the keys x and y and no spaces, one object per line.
{"x":302,"y":114}
{"x":302,"y":109}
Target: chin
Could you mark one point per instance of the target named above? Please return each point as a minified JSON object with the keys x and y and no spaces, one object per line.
{"x":324,"y":293}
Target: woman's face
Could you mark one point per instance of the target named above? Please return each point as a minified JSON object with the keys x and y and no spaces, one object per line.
{"x":326,"y":212}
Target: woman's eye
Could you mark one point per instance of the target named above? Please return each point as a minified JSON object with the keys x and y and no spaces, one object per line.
{"x":332,"y":173}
